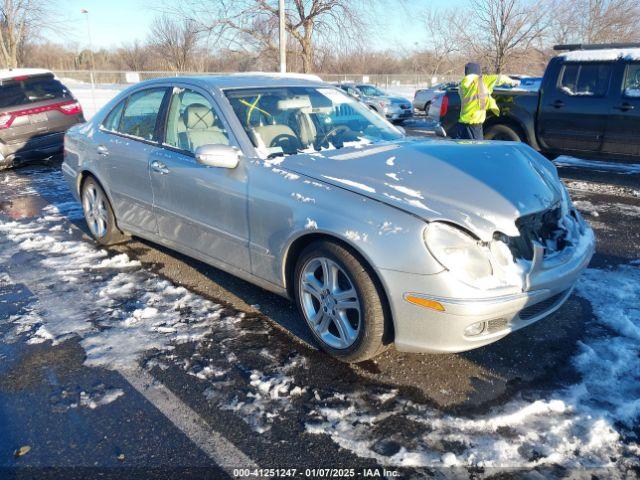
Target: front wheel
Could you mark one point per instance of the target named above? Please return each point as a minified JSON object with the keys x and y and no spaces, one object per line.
{"x":99,"y":214}
{"x":502,"y":132}
{"x":340,"y":302}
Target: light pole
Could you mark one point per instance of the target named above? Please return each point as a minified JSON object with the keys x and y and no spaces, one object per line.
{"x":283,"y":38}
{"x":92,"y":62}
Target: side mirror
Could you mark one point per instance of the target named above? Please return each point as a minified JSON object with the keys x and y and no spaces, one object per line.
{"x":221,"y":156}
{"x":440,"y":131}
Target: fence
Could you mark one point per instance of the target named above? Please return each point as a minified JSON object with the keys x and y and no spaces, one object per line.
{"x":382,"y":80}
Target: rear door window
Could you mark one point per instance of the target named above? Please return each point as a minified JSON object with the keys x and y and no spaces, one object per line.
{"x":588,"y":79}
{"x":32,"y":90}
{"x":112,"y":122}
{"x":141,"y":114}
{"x":632,"y":81}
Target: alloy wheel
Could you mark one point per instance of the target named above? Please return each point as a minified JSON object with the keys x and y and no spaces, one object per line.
{"x":330,"y":302}
{"x":94,"y":205}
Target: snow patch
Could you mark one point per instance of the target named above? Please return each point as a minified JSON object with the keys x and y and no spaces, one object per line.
{"x":302,"y":198}
{"x":588,"y":424}
{"x":351,"y":183}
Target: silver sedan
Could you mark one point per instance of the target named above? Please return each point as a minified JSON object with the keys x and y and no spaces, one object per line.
{"x":289,"y":183}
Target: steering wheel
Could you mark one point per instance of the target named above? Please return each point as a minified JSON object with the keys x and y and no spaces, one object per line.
{"x":331,"y":133}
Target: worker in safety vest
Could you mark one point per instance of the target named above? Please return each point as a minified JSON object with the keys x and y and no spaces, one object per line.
{"x":475,"y":95}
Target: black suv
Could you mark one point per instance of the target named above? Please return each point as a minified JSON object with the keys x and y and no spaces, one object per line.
{"x":35,"y":111}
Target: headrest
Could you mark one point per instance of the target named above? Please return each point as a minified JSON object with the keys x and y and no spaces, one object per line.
{"x":198,"y":117}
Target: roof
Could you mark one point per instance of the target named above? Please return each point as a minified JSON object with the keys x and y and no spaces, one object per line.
{"x":248,"y":80}
{"x":604,"y":55}
{"x":6,"y":74}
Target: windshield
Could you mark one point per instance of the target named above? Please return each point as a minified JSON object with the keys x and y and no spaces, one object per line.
{"x":289,"y":120}
{"x":371,"y":91}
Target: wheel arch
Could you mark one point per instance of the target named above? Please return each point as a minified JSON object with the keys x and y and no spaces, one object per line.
{"x":297,"y":246}
{"x":515,"y":124}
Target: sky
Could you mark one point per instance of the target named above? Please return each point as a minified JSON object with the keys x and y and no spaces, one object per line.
{"x":116,"y":22}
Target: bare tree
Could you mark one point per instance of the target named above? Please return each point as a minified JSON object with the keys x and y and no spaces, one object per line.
{"x":495,"y":30}
{"x":598,"y":21}
{"x":444,"y":37}
{"x":252,"y":24}
{"x":175,"y":41}
{"x":133,"y":56}
{"x":18,"y":20}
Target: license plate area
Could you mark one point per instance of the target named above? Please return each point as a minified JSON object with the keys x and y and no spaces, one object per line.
{"x":38,"y":118}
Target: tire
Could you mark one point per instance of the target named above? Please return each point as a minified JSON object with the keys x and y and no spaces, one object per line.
{"x":426,"y":108}
{"x":502,"y":132}
{"x":319,"y":303}
{"x":98,"y":214}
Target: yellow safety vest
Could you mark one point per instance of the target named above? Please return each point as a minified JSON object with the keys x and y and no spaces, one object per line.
{"x":475,"y":96}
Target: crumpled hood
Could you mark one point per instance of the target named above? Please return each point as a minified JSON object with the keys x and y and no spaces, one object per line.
{"x":482,"y":186}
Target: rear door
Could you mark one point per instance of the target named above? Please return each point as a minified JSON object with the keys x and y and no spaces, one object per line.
{"x":199,"y":207}
{"x":622,"y":137}
{"x":573,"y":113}
{"x":126,"y":143}
{"x":35,"y":106}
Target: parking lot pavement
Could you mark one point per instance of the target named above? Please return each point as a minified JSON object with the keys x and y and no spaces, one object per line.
{"x":138,"y":358}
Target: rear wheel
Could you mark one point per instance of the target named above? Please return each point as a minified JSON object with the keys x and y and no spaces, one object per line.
{"x":99,"y":214}
{"x":340,"y":302}
{"x":502,"y":132}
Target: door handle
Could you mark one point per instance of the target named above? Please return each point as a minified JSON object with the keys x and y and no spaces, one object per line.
{"x":102,"y":150}
{"x":159,"y":167}
{"x":624,"y":107}
{"x":558,"y":104}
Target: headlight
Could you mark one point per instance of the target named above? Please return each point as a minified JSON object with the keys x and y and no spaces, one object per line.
{"x":458,"y":252}
{"x":474,"y":262}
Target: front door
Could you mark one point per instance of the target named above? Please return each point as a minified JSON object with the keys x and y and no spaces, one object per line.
{"x":127,"y":140}
{"x":573,"y":114}
{"x":202,"y":208}
{"x":622,"y":138}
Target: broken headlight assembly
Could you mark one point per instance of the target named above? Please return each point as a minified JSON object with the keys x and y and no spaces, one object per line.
{"x":476,"y":263}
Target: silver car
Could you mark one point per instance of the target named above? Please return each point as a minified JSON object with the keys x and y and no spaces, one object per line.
{"x":434,"y":246}
{"x":393,"y":108}
{"x":424,"y":96}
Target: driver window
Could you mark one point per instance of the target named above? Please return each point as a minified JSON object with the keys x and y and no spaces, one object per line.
{"x":192,"y":122}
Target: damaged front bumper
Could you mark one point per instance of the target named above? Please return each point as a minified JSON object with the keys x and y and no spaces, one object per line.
{"x":491,"y":314}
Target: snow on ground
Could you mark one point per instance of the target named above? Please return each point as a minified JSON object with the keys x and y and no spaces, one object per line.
{"x":406,"y":91}
{"x":624,"y":168}
{"x":604,"y":188}
{"x":92,"y":99}
{"x":118,"y":309}
{"x":588,"y":424}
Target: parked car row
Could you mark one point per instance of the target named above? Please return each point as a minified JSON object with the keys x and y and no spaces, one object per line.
{"x":393,"y":108}
{"x":588,"y":105}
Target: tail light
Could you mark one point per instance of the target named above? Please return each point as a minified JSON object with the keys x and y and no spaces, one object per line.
{"x":444,"y":106}
{"x":71,"y":107}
